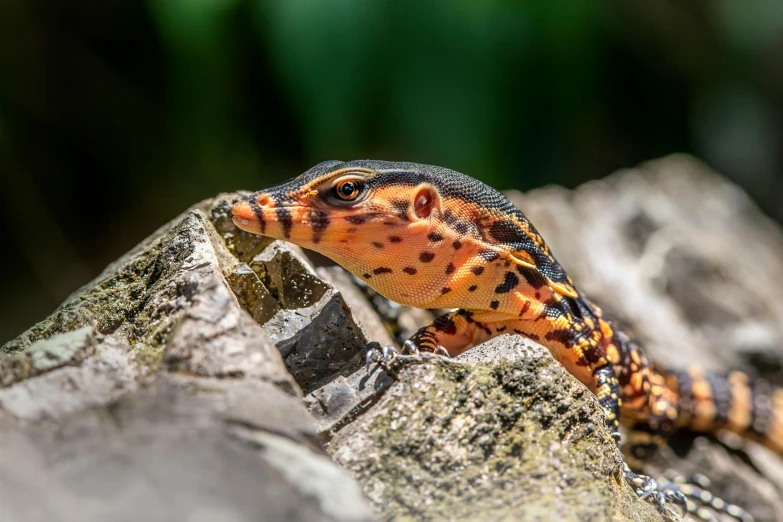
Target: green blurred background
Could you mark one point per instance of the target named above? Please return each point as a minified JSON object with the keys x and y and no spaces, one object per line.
{"x":116,"y":116}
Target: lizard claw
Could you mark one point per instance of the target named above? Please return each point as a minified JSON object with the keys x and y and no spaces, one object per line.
{"x":373,"y":352}
{"x":442,"y":352}
{"x":409,"y":347}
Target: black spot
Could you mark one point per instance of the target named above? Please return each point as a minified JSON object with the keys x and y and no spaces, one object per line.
{"x":531,"y":275}
{"x":477,"y":270}
{"x":382,"y":270}
{"x":509,"y":283}
{"x":395,"y":239}
{"x":445,"y":324}
{"x":488,"y":255}
{"x":494,"y":305}
{"x":284,"y":217}
{"x":377,"y":244}
{"x":525,"y":308}
{"x":426,"y":257}
{"x":319,"y":222}
{"x":355,"y":220}
{"x":532,"y":336}
{"x":401,"y":206}
{"x":409,"y":270}
{"x":445,"y":290}
{"x":501,"y":329}
{"x":435,"y":237}
{"x":450,"y":268}
{"x":461,"y":228}
{"x":518,"y":332}
{"x":366,"y":276}
{"x":457,"y":245}
{"x":472,"y":288}
{"x":449,"y":217}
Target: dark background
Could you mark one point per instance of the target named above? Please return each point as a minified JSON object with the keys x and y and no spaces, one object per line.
{"x":116,"y":116}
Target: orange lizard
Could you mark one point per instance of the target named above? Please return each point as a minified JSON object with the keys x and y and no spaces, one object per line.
{"x":430,"y":237}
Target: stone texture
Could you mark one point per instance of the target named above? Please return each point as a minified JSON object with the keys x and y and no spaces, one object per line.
{"x":501,"y":433}
{"x":152,"y":394}
{"x":315,"y":331}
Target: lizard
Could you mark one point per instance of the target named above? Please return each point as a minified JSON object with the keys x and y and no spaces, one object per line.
{"x":430,"y":237}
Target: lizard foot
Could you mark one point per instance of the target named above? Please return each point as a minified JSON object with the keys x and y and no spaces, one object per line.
{"x":384,"y":355}
{"x":647,"y":488}
{"x":375,"y":353}
{"x":701,"y":503}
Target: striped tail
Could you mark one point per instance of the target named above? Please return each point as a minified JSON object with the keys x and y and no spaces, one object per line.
{"x":734,"y":401}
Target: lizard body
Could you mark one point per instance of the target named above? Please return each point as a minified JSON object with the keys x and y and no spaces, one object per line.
{"x":431,"y":237}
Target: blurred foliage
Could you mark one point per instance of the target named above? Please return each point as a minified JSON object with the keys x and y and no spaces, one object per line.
{"x":116,"y":116}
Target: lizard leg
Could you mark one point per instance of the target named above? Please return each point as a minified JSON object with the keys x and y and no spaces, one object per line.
{"x":453,"y":332}
{"x":607,"y":390}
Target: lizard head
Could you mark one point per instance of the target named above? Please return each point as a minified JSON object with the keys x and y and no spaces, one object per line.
{"x":419,"y":234}
{"x":362,"y":214}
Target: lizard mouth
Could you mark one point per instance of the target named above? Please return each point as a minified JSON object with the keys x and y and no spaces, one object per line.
{"x":248,"y":218}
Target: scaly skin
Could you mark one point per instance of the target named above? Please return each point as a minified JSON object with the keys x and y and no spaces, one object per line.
{"x":429,"y":237}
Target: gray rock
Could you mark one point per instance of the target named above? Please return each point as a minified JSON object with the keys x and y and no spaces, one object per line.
{"x":315,"y":331}
{"x":501,"y":433}
{"x":183,"y":448}
{"x":151,"y":394}
{"x":339,"y":401}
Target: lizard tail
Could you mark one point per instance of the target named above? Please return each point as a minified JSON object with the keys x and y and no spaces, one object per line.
{"x":734,"y":401}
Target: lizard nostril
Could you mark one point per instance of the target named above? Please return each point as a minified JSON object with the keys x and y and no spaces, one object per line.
{"x":263,"y":201}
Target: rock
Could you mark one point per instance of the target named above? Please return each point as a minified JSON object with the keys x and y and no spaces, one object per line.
{"x":339,"y":401}
{"x":315,"y":331}
{"x":366,"y":317}
{"x":501,"y":433}
{"x":183,"y":448}
{"x":152,"y":394}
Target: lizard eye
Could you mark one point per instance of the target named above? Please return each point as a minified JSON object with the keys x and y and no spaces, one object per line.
{"x":348,"y":190}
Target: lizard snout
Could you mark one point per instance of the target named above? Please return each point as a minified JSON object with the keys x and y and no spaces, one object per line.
{"x":248,"y":216}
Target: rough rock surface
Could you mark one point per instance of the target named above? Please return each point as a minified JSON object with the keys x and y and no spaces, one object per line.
{"x":214,"y":375}
{"x":151,"y":394}
{"x":500,"y":433}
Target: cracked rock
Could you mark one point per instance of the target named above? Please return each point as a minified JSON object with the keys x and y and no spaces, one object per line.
{"x":315,"y":331}
{"x":151,"y":394}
